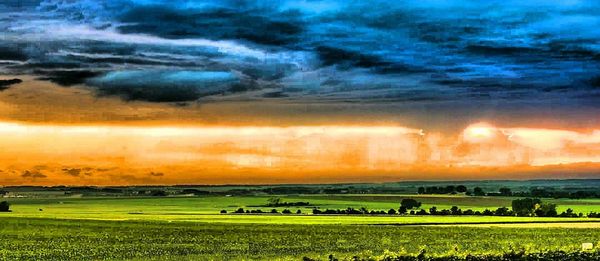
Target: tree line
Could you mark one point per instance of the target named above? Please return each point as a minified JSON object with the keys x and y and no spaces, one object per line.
{"x":525,"y":207}
{"x":507,"y":192}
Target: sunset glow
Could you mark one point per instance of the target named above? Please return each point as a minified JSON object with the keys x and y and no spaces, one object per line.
{"x":68,"y":154}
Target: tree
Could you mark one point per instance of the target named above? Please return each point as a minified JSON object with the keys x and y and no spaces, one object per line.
{"x":158,"y":193}
{"x":4,"y":206}
{"x":391,"y":211}
{"x":433,"y":210}
{"x":286,"y":211}
{"x":223,"y":211}
{"x":239,"y":211}
{"x":525,"y":206}
{"x":402,"y":210}
{"x":298,"y":212}
{"x":477,"y":191}
{"x":461,"y":189}
{"x":503,"y":211}
{"x":410,"y":203}
{"x":505,"y":192}
{"x":421,"y":190}
{"x":546,"y":210}
{"x":455,"y":211}
{"x":274,"y":211}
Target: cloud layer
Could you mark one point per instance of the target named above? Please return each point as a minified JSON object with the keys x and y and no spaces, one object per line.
{"x":544,"y":51}
{"x":179,"y":155}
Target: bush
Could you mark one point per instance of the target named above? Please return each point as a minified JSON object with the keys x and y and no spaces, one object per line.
{"x":402,"y":210}
{"x":525,"y":206}
{"x":158,"y":193}
{"x":410,"y":203}
{"x":4,"y":206}
{"x":223,"y":211}
{"x":286,"y":211}
{"x":546,"y":210}
{"x":461,"y":189}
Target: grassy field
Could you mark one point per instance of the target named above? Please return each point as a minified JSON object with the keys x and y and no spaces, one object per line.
{"x":49,"y":239}
{"x":58,"y":227}
{"x":206,"y":209}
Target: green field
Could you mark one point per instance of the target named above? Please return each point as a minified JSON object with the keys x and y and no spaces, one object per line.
{"x":50,"y":239}
{"x":206,"y":209}
{"x":55,"y":226}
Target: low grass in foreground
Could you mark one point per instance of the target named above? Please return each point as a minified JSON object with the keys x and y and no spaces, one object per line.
{"x":53,"y":239}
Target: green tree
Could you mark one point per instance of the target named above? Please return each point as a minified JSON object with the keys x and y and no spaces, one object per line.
{"x":433,"y":210}
{"x":477,"y":191}
{"x":410,"y":203}
{"x":461,"y":189}
{"x":546,"y":210}
{"x":525,"y":206}
{"x":4,"y":206}
{"x":455,"y":211}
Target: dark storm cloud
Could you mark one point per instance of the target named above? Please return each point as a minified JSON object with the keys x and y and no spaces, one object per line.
{"x":68,"y":78}
{"x":347,"y":59}
{"x":213,"y":23}
{"x":163,"y":86}
{"x":368,"y":51}
{"x":12,"y":53}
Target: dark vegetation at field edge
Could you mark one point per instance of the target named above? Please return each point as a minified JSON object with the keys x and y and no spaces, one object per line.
{"x":510,"y":256}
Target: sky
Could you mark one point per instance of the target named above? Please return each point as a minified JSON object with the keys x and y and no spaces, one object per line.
{"x":96,"y":92}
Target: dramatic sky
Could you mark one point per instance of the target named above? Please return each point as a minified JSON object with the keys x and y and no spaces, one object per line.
{"x":297,"y":91}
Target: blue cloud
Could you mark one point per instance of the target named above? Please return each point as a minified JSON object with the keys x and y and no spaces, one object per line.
{"x":443,"y":50}
{"x":163,"y":86}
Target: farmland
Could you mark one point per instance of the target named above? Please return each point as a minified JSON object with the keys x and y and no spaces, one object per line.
{"x":46,"y":239}
{"x":48,"y":225}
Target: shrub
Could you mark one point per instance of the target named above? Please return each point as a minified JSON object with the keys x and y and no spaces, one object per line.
{"x":4,"y":206}
{"x":525,"y":206}
{"x":410,"y":203}
{"x":546,"y":210}
{"x":478,"y":192}
{"x":461,"y":189}
{"x":158,"y":193}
